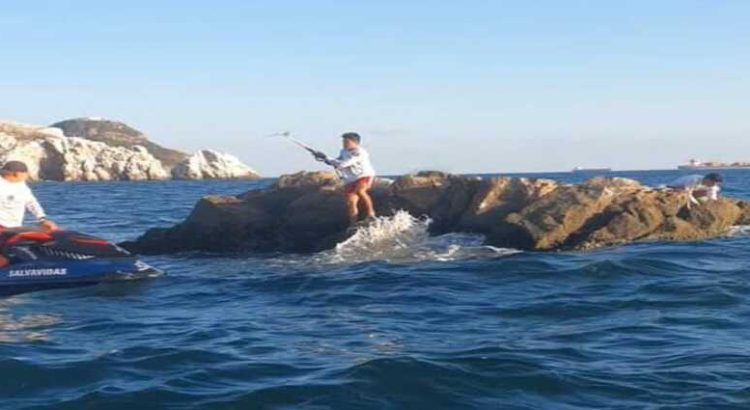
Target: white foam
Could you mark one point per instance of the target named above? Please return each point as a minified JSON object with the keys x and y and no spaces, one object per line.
{"x":402,"y":238}
{"x":739,"y":230}
{"x":24,"y":328}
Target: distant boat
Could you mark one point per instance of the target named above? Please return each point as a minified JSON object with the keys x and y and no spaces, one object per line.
{"x":590,"y":170}
{"x":695,"y":165}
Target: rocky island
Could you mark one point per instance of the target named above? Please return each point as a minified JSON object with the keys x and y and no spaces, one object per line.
{"x":305,"y":212}
{"x":93,"y":149}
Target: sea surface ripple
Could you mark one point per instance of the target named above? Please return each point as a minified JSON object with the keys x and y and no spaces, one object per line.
{"x":437,"y":323}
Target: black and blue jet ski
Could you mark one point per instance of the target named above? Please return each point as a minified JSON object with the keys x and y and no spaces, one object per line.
{"x":36,"y":260}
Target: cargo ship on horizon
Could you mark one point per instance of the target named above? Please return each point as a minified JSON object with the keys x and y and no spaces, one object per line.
{"x":712,"y":165}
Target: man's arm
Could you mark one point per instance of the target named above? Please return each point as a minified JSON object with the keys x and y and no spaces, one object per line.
{"x":691,"y":198}
{"x":33,"y":206}
{"x":322,"y":157}
{"x":355,"y":158}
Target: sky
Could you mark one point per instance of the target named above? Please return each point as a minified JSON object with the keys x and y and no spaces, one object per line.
{"x":470,"y":86}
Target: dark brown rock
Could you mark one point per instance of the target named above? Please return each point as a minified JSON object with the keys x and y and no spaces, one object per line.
{"x":418,"y":193}
{"x":314,"y":221}
{"x":547,"y":223}
{"x":306,"y":212}
{"x":745,"y":209}
{"x":307,"y":180}
{"x":496,"y":198}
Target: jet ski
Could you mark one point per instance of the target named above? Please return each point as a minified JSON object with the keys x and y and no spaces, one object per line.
{"x":36,"y":260}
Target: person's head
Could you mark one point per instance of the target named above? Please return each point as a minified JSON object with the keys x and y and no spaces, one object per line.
{"x":14,"y":171}
{"x":351,"y":140}
{"x":712,"y":179}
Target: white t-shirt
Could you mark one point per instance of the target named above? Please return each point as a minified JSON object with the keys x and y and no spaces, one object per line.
{"x":15,"y":199}
{"x":353,"y":165}
{"x":692,"y":183}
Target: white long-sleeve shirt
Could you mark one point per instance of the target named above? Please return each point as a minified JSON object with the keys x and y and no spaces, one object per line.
{"x":353,"y":165}
{"x":692,"y":183}
{"x":15,"y":199}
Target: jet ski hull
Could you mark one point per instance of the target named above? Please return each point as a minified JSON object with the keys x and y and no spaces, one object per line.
{"x":66,"y":259}
{"x":27,"y":277}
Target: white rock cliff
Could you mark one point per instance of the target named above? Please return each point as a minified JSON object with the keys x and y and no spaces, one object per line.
{"x":50,"y":155}
{"x":208,"y":164}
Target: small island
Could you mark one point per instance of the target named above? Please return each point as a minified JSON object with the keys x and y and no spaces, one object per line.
{"x":305,"y":212}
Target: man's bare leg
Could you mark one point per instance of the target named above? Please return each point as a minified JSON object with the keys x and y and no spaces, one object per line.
{"x":352,"y":207}
{"x":366,"y":199}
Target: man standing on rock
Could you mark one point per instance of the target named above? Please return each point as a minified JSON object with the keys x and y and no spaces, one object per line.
{"x":354,"y":167}
{"x":16,"y":197}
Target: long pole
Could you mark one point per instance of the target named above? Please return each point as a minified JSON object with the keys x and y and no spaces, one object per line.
{"x":287,"y":135}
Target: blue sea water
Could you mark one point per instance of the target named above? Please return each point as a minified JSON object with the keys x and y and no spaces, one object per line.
{"x":435,"y":323}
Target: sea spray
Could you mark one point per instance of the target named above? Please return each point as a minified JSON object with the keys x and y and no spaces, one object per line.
{"x":739,"y":230}
{"x":384,"y":238}
{"x":402,"y":238}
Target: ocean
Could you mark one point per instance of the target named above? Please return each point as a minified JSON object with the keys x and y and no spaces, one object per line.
{"x":391,"y":319}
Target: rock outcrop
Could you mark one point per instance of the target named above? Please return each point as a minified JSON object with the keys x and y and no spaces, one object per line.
{"x":208,"y":164}
{"x":101,"y":150}
{"x":305,"y":212}
{"x":52,"y":156}
{"x":118,"y":134}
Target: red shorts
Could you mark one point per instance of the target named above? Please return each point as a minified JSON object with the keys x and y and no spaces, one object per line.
{"x":357,"y":185}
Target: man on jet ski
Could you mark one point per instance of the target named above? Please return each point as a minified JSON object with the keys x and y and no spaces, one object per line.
{"x":16,"y":197}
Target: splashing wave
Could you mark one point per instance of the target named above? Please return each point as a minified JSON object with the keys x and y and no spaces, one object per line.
{"x":402,"y":238}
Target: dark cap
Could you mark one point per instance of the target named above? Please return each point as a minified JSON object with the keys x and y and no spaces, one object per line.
{"x":714,"y":177}
{"x":14,"y":166}
{"x":352,"y":136}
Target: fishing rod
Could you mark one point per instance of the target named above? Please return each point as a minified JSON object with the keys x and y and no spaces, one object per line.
{"x":319,"y":155}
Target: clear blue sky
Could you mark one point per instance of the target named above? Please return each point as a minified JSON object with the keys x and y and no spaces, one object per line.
{"x":471,"y":86}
